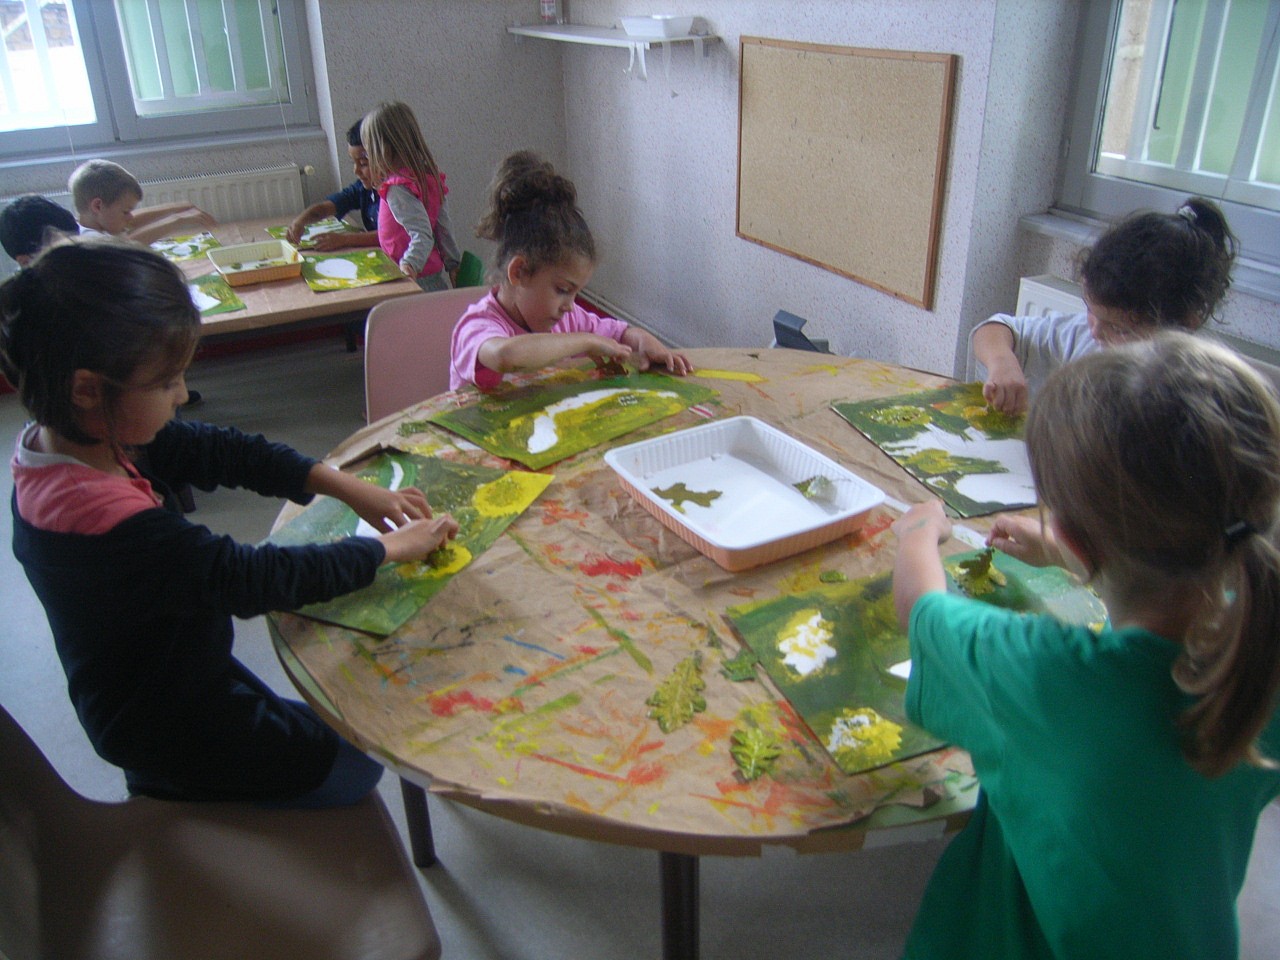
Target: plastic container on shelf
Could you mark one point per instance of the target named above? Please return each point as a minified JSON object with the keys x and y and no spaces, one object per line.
{"x":741,"y":491}
{"x":658,"y":26}
{"x":549,"y":11}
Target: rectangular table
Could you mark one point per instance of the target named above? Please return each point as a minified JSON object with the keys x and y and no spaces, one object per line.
{"x":282,"y":302}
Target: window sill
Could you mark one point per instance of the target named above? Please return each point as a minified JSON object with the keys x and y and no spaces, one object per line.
{"x":153,"y":147}
{"x":1252,"y":277}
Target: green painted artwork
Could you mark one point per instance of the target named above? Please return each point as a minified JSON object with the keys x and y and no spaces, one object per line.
{"x":969,"y":454}
{"x":186,"y":248}
{"x":831,"y":652}
{"x":347,"y":269}
{"x":213,"y":295}
{"x":484,"y":501}
{"x":542,"y":423}
{"x":313,"y":230}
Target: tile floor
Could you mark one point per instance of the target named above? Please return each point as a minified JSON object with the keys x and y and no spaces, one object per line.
{"x":500,"y":891}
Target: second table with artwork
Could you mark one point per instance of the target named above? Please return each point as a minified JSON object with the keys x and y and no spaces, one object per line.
{"x":332,"y":285}
{"x":585,"y":670}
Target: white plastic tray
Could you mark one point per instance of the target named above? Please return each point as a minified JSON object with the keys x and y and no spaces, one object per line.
{"x":658,"y":26}
{"x":758,"y":515}
{"x":244,"y":263}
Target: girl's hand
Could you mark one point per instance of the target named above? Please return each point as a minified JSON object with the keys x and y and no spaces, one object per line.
{"x":677,"y":363}
{"x":924,"y":516}
{"x":385,"y":510}
{"x":417,"y":538}
{"x":1027,"y":540}
{"x":408,"y":271}
{"x":1006,"y":386}
{"x":605,"y":349}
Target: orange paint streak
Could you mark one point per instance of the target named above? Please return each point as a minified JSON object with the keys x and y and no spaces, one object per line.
{"x":596,"y":565}
{"x":588,"y":651}
{"x":714,"y":728}
{"x":447,"y":705}
{"x":638,"y":775}
{"x":553,"y":511}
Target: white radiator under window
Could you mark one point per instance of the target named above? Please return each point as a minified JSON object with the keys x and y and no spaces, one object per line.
{"x":1045,"y":294}
{"x":227,"y":196}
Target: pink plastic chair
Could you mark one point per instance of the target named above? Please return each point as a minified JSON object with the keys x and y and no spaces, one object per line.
{"x":406,"y":348}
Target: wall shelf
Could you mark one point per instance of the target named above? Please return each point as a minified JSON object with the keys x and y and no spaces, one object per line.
{"x":610,"y":37}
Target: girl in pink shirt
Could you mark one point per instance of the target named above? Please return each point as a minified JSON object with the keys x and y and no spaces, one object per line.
{"x":545,"y":256}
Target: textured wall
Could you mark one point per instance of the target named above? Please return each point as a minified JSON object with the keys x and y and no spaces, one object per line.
{"x":656,"y":164}
{"x":477,"y":93}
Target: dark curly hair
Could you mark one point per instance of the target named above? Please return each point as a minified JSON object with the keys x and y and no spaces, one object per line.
{"x":533,"y":213}
{"x":1167,"y":269}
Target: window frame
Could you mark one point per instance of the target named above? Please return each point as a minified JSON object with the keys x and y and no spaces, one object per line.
{"x":1082,"y":191}
{"x":118,"y":123}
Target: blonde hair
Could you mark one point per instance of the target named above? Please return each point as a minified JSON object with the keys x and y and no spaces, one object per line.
{"x":1161,"y":461}
{"x":394,"y":141}
{"x":101,"y":179}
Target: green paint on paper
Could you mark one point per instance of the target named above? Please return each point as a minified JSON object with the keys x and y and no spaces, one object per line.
{"x":348,"y":269}
{"x":679,"y":696}
{"x":832,"y":576}
{"x":213,"y":295}
{"x":624,"y":641}
{"x":678,"y":495}
{"x":479,"y":498}
{"x":313,"y":230}
{"x":968,"y":453}
{"x":755,"y":751}
{"x":829,"y":650}
{"x":541,"y":423}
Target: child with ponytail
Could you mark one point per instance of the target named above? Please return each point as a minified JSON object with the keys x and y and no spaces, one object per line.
{"x":1149,"y":272}
{"x":545,"y":256}
{"x":1122,"y":772}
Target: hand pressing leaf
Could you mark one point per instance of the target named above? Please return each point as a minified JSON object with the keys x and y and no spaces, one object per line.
{"x":978,"y":575}
{"x":679,"y":696}
{"x":755,"y":751}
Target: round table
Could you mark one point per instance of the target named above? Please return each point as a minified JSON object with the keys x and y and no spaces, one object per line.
{"x":521,"y":688}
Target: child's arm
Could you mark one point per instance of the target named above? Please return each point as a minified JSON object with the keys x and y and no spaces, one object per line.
{"x":317,"y":211}
{"x":918,"y":567}
{"x":409,"y":531}
{"x":1033,"y":543}
{"x":1006,"y":385}
{"x":648,"y":349}
{"x":533,"y":351}
{"x":445,"y":243}
{"x":156,"y":223}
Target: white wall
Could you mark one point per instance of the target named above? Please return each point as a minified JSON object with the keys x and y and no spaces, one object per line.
{"x":656,"y":166}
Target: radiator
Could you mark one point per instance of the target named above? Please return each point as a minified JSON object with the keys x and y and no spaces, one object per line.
{"x":1045,"y":293}
{"x":233,"y":195}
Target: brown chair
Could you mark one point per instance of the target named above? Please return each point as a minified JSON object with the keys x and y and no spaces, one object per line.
{"x":143,"y":878}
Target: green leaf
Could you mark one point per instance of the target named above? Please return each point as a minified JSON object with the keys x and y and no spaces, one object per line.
{"x":679,"y":696}
{"x":755,"y":751}
{"x":978,"y":576}
{"x":741,"y":666}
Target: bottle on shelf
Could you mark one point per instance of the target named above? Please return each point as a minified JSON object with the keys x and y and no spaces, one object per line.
{"x":550,"y":11}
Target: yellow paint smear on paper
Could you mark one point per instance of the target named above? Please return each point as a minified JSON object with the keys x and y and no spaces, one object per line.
{"x":742,"y":375}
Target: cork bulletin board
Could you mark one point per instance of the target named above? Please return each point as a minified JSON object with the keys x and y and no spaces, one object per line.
{"x":842,"y":158}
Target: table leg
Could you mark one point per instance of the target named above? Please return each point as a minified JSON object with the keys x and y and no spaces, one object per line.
{"x":679,"y":906}
{"x":418,"y":818}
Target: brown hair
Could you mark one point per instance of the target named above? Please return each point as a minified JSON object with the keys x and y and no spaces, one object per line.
{"x":1161,"y":461}
{"x":1164,"y":269}
{"x":533,"y":213}
{"x":392,"y":138}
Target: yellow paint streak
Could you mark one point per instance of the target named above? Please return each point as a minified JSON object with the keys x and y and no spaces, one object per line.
{"x":743,"y":375}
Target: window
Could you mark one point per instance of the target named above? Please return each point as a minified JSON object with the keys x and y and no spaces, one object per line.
{"x":76,"y":74}
{"x":1180,"y":97}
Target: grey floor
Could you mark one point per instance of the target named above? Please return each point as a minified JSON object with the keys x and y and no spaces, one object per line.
{"x":502,"y":891}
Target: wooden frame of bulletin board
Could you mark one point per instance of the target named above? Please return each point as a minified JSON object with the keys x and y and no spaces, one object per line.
{"x":842,"y":158}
